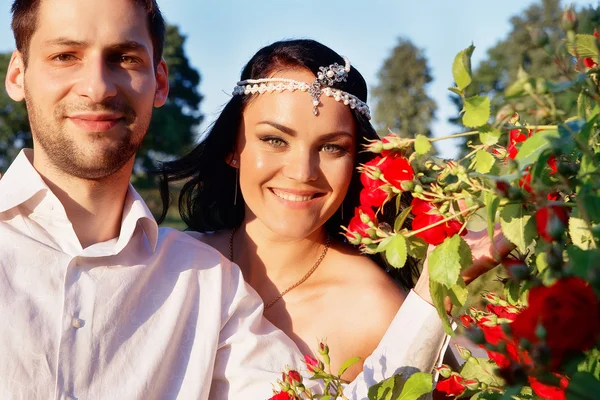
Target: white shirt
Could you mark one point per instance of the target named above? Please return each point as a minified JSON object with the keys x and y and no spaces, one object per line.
{"x":152,"y":314}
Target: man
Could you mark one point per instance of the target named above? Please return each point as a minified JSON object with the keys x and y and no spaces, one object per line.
{"x":98,"y":303}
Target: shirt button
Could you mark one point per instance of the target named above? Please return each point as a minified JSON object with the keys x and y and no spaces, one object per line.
{"x":77,"y":323}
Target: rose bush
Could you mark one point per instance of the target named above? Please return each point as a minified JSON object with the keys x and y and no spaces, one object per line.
{"x":535,"y":173}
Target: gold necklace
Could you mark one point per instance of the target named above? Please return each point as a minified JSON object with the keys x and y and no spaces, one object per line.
{"x":295,"y":285}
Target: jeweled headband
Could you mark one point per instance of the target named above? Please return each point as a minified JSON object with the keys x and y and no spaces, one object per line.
{"x":326,"y":77}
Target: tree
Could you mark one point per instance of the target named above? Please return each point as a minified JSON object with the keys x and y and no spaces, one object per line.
{"x":174,"y":126}
{"x":402,"y":104}
{"x":14,"y":125}
{"x":519,"y":50}
{"x":172,"y":129}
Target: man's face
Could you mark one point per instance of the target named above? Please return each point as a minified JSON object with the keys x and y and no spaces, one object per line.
{"x":90,"y":84}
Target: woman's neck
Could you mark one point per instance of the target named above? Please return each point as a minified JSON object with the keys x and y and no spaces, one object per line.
{"x":268,"y":259}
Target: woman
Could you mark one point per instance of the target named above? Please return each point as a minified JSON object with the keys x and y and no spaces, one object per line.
{"x":274,"y":180}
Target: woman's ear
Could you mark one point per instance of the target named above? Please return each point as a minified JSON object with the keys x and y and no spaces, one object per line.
{"x":233,"y":160}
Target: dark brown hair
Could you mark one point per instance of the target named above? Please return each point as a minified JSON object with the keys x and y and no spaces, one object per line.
{"x":24,"y":24}
{"x":206,"y":199}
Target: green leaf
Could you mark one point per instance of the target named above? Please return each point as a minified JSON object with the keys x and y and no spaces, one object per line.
{"x":456,"y":91}
{"x":585,"y":46}
{"x":461,"y":68}
{"x":490,"y":137}
{"x":584,"y":105}
{"x":459,"y":293}
{"x":417,"y":247}
{"x":512,"y":291}
{"x":383,"y":244}
{"x":438,"y":294}
{"x":534,"y":146}
{"x":484,"y":162}
{"x":481,"y":369}
{"x":516,"y":88}
{"x":477,"y":111}
{"x":588,"y":169}
{"x":448,"y":259}
{"x":541,"y":262}
{"x":491,"y":202}
{"x":347,"y":364}
{"x":517,"y":226}
{"x":388,"y":389}
{"x":583,"y":386}
{"x":395,"y":252}
{"x":422,"y":144}
{"x":401,"y":218}
{"x":586,"y":131}
{"x":591,"y":363}
{"x":478,"y":222}
{"x":580,"y":233}
{"x":581,"y":262}
{"x":487,"y":395}
{"x":416,"y":385}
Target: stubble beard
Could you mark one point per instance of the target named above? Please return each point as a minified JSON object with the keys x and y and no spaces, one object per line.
{"x":92,"y":161}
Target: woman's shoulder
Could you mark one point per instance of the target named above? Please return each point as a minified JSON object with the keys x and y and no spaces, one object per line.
{"x":365,"y":288}
{"x":357,"y":273}
{"x":218,"y":240}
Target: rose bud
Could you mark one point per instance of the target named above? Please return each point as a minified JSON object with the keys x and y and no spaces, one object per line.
{"x":444,"y":370}
{"x":516,"y":268}
{"x":551,"y":222}
{"x":569,"y":20}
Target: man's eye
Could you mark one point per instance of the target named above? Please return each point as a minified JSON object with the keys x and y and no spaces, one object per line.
{"x":123,"y":59}
{"x":128,"y":60}
{"x":64,"y":57}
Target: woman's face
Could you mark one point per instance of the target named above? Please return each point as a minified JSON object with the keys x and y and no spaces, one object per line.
{"x":295,"y":167}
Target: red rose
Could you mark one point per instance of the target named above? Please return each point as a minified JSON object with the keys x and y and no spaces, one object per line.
{"x":515,"y":136}
{"x":507,"y":312}
{"x":385,"y":140}
{"x":452,"y":386}
{"x":282,"y":396}
{"x":311,"y":363}
{"x":293,"y":376}
{"x":551,"y":222}
{"x":372,"y":197}
{"x":357,"y":226}
{"x":547,"y":391}
{"x":425,"y":215}
{"x":466,"y":320}
{"x":500,"y":359}
{"x":493,"y":334}
{"x":371,"y":168}
{"x":589,"y":62}
{"x":568,"y":311}
{"x":396,"y":169}
{"x":552,"y":165}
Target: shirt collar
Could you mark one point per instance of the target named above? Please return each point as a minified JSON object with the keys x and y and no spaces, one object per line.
{"x":134,"y":211}
{"x":21,"y":182}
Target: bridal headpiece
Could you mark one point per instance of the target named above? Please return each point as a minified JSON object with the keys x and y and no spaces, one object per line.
{"x":326,"y":78}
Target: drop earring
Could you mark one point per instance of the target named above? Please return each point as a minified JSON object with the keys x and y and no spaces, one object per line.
{"x":237,"y":178}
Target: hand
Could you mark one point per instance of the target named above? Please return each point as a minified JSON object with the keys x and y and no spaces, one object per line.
{"x":486,"y":256}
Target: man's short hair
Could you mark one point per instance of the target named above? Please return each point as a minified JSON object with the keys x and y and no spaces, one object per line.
{"x":24,"y":24}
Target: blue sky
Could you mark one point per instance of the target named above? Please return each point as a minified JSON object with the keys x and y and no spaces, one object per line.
{"x":223,"y":35}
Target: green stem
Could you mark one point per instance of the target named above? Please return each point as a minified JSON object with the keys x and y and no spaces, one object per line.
{"x":456,"y":135}
{"x":443,"y":221}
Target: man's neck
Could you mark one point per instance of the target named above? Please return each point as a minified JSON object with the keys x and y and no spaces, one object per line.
{"x":94,"y":207}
